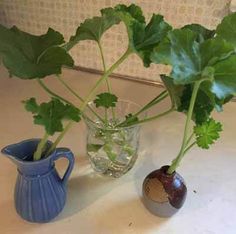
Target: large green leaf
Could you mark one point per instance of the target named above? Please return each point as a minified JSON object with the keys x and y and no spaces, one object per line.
{"x":51,"y":114}
{"x":94,"y":28}
{"x":180,"y":96}
{"x":227,"y":29}
{"x":180,"y":50}
{"x":224,"y":84}
{"x":28,"y":56}
{"x":203,"y":105}
{"x":214,"y":50}
{"x":142,"y":38}
{"x":175,"y":91}
{"x":202,"y":32}
{"x":212,"y":61}
{"x":190,"y":60}
{"x":132,"y":10}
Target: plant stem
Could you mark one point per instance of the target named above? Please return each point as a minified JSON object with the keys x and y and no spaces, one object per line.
{"x":69,"y":88}
{"x":153,"y":102}
{"x":176,"y":161}
{"x":54,"y":145}
{"x":189,"y":139}
{"x":107,"y":80}
{"x":189,"y":147}
{"x":80,"y":98}
{"x":52,"y":93}
{"x":104,"y":77}
{"x":103,"y":64}
{"x":106,"y":118}
{"x":150,"y":118}
{"x":90,"y":95}
{"x":40,"y":147}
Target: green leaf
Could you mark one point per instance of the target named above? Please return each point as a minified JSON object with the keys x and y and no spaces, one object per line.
{"x":105,"y":100}
{"x":94,"y":147}
{"x":190,"y":60}
{"x":28,"y":56}
{"x":181,"y":95}
{"x":132,"y":10}
{"x":130,"y":119}
{"x":175,"y":91}
{"x":51,"y":114}
{"x":224,"y":84}
{"x":212,"y":60}
{"x":180,"y":50}
{"x":94,"y":28}
{"x":202,"y":32}
{"x":31,"y":105}
{"x":206,"y":100}
{"x":202,"y":108}
{"x":227,"y":29}
{"x":207,"y":133}
{"x":142,"y":38}
{"x":213,"y":51}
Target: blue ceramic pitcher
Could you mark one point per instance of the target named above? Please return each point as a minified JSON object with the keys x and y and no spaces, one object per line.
{"x":40,"y":193}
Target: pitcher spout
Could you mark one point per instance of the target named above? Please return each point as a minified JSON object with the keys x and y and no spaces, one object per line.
{"x":22,"y":151}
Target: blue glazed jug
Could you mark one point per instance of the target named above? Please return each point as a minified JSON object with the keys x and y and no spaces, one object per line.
{"x":40,"y":193}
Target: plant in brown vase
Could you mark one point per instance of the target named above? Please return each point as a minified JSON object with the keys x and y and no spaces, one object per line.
{"x":203,"y":78}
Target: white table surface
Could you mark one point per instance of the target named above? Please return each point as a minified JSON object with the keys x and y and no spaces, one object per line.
{"x":98,"y":205}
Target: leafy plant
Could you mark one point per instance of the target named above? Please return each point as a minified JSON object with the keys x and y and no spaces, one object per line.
{"x":28,"y":56}
{"x":203,"y":78}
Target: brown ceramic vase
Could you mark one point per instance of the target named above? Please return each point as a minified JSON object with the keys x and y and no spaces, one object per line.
{"x":164,"y":194}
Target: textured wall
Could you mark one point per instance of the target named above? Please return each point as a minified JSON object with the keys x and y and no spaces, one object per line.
{"x":35,"y":16}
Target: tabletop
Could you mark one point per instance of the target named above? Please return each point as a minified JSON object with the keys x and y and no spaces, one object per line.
{"x":101,"y":205}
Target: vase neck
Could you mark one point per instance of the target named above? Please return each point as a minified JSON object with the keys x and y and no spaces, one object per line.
{"x":22,"y":155}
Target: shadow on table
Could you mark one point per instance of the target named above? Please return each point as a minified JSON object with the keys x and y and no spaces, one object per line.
{"x":84,"y":190}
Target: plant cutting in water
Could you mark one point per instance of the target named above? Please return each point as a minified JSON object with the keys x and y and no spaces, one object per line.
{"x":50,"y":115}
{"x":203,"y":78}
{"x":28,"y":56}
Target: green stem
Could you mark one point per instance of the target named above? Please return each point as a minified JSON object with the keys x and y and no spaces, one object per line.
{"x":80,"y":98}
{"x":181,"y":154}
{"x":149,"y":119}
{"x":107,"y":80}
{"x":52,"y":93}
{"x":153,"y":102}
{"x":54,"y":145}
{"x":106,"y":117}
{"x":90,"y":95}
{"x":104,"y":77}
{"x":189,"y":147}
{"x":102,"y":56}
{"x":40,"y":147}
{"x":69,"y":88}
{"x":189,"y":139}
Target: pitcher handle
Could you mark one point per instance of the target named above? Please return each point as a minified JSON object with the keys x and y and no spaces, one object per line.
{"x":65,"y":153}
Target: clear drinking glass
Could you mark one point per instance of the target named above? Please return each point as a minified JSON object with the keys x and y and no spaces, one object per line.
{"x":112,"y":150}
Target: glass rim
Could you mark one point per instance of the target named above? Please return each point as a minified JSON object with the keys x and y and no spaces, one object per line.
{"x":96,"y":125}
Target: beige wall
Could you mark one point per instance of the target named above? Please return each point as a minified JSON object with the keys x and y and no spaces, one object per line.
{"x":35,"y":16}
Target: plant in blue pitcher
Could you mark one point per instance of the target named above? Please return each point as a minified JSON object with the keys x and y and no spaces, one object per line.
{"x":40,"y":193}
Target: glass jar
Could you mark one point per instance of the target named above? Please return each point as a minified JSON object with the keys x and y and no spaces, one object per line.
{"x":112,"y":150}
